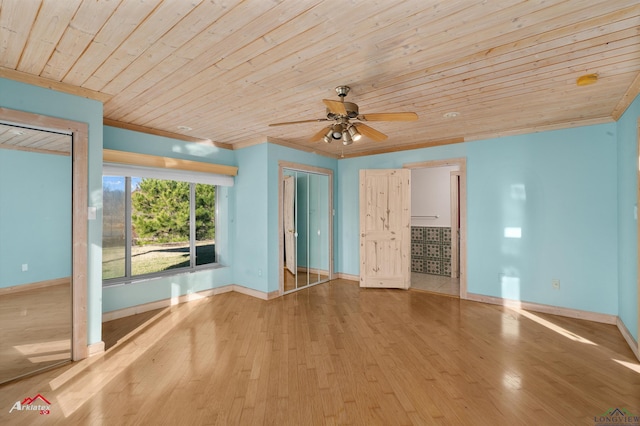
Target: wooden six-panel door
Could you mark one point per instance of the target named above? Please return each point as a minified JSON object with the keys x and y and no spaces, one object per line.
{"x":385,"y":228}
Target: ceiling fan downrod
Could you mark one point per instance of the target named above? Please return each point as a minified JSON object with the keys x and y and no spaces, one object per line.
{"x":342,"y":91}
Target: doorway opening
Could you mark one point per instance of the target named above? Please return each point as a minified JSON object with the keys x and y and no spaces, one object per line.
{"x":438,"y":226}
{"x":48,"y":297}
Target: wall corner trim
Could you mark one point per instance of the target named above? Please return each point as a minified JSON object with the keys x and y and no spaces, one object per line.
{"x":628,"y":337}
{"x":95,"y":349}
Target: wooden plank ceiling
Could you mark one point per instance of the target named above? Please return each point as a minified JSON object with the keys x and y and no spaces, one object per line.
{"x":223,"y":70}
{"x":43,"y":141}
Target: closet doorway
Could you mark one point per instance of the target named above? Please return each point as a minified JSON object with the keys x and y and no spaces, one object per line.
{"x":438,"y":226}
{"x":305,"y":226}
{"x":43,"y":251}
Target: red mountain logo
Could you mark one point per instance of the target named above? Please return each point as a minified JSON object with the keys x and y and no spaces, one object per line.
{"x":29,"y":401}
{"x":37,"y":403}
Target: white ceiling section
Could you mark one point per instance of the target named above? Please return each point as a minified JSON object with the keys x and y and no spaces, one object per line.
{"x":225,"y":69}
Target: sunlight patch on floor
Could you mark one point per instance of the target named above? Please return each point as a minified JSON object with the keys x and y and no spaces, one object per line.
{"x":85,"y":381}
{"x":556,"y":328}
{"x":631,"y":366}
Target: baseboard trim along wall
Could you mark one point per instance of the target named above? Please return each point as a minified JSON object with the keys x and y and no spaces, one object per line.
{"x":545,"y":309}
{"x":350,"y":277}
{"x":564,"y":312}
{"x":34,"y":286}
{"x":159,"y":304}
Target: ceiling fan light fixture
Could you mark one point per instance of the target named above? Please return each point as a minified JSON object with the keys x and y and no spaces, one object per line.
{"x":346,"y":138}
{"x":329,"y":136}
{"x":353,"y":132}
{"x":337,"y":131}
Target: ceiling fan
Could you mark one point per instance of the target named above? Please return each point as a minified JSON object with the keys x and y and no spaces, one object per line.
{"x":341,"y":113}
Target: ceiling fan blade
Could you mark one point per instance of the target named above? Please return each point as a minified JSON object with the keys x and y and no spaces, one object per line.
{"x":335,"y":107}
{"x":320,"y":134}
{"x":297,"y":122}
{"x":389,"y":116}
{"x":370,"y":132}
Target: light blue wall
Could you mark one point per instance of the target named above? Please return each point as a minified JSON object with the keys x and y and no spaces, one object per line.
{"x":24,"y":97}
{"x":143,"y":143}
{"x":35,"y":217}
{"x":124,"y":296}
{"x":250,"y":228}
{"x":568,"y":219}
{"x":627,"y":223}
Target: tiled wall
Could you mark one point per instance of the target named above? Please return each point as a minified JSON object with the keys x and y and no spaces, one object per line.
{"x":431,"y":250}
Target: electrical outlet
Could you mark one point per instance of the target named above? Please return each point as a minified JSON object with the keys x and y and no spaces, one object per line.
{"x":555,"y":283}
{"x":25,"y":267}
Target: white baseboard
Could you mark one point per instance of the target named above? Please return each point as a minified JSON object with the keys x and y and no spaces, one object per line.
{"x":159,"y":304}
{"x":545,"y":309}
{"x":629,"y":338}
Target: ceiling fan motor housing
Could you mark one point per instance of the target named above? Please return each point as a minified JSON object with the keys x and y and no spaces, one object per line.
{"x":352,"y":111}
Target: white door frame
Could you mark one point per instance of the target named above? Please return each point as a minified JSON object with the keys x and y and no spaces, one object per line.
{"x":462,"y":168}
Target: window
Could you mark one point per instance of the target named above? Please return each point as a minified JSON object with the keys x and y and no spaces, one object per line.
{"x":154,"y":226}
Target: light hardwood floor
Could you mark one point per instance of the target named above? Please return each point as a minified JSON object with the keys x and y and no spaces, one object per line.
{"x":35,"y":330}
{"x":435,"y":284}
{"x":302,"y":279}
{"x":338,"y":354}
